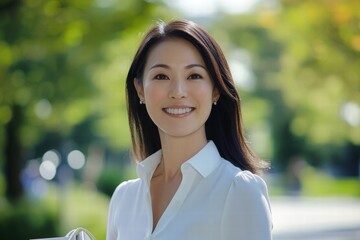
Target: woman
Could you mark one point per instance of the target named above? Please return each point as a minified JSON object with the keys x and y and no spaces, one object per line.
{"x":197,"y":179}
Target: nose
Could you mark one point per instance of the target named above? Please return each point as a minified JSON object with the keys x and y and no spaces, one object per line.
{"x":178,"y":89}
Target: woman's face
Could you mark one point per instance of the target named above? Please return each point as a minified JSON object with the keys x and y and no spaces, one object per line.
{"x":177,"y":88}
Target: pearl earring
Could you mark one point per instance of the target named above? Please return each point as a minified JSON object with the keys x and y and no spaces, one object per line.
{"x":141,"y":102}
{"x":215,"y":103}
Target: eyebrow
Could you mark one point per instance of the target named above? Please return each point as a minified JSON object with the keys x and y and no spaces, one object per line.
{"x":195,"y":65}
{"x":161,"y":65}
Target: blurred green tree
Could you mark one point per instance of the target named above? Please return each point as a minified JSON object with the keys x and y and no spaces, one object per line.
{"x":62,"y":68}
{"x":321,"y":61}
{"x":319,"y":76}
{"x":305,"y":58}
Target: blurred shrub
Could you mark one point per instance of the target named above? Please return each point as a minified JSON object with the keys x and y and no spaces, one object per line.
{"x":111,"y":177}
{"x":25,"y":220}
{"x":320,"y":184}
{"x":84,"y":207}
{"x":314,"y":182}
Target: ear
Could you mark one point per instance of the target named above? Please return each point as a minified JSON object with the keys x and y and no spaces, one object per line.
{"x":139,"y":89}
{"x":216,"y":95}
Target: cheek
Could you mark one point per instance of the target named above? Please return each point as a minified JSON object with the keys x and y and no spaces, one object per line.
{"x":153,"y":99}
{"x":152,"y":93}
{"x":204,"y":92}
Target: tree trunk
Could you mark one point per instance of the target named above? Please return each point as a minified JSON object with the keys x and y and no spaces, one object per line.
{"x":13,"y":158}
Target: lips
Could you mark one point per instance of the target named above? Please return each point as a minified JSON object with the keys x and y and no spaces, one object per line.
{"x":178,"y":111}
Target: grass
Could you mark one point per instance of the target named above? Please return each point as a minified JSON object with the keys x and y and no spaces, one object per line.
{"x":320,"y":184}
{"x":83,"y":207}
{"x":316,"y":183}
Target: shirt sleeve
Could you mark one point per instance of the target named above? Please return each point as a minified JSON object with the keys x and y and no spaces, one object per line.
{"x":247,"y":212}
{"x":111,"y":231}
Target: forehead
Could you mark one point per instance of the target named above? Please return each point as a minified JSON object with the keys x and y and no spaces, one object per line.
{"x":174,"y":50}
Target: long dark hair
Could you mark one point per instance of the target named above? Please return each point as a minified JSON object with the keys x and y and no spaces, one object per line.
{"x":224,"y":125}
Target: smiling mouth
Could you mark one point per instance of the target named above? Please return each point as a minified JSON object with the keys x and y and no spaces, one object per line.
{"x":178,"y":111}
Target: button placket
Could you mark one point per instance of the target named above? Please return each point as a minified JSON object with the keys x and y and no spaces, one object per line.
{"x":178,"y":199}
{"x":149,"y":231}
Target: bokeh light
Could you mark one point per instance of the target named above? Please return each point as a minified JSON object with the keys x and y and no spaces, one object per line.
{"x":350,"y":112}
{"x":47,"y":170}
{"x":76,"y":159}
{"x":52,"y":156}
{"x":43,"y":109}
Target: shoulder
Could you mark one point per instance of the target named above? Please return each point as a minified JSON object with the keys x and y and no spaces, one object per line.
{"x":247,"y":211}
{"x":243,"y":180}
{"x":122,"y":195}
{"x":248,"y":185}
{"x":125,"y":189}
{"x":244,"y":186}
{"x":247,"y":179}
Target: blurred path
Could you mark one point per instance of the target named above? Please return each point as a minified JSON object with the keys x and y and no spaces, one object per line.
{"x":298,"y":218}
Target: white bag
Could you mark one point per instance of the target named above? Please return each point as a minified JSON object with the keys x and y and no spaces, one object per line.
{"x":75,"y":234}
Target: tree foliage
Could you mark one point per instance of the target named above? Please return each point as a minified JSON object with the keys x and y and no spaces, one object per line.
{"x":62,"y":71}
{"x":305,"y":58}
{"x":320,"y":68}
{"x":63,"y":65}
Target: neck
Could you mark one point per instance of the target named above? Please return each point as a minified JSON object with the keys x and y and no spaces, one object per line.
{"x":176,"y":151}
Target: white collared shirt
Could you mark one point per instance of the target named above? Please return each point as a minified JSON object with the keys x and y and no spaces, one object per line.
{"x":215,"y":200}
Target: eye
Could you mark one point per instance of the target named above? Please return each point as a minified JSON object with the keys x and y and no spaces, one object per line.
{"x":195,"y":76}
{"x":161,"y":77}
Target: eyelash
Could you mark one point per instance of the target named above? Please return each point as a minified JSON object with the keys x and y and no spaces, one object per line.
{"x":161,"y":77}
{"x":195,"y":76}
{"x":164,"y":77}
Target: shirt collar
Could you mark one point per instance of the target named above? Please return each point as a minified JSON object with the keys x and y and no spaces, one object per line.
{"x":204,"y":162}
{"x":146,"y":168}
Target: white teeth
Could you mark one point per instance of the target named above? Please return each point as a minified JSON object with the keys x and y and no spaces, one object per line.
{"x":178,"y":111}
